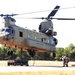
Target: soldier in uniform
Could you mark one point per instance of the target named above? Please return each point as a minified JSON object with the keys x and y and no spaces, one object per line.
{"x":65,"y":61}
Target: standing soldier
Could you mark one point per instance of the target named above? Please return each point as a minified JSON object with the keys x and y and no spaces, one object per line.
{"x":65,"y":61}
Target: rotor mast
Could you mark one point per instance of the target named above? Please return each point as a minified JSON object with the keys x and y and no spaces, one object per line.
{"x":47,"y":24}
{"x":9,"y":21}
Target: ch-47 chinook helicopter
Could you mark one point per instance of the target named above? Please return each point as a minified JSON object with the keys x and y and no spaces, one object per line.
{"x":13,"y":36}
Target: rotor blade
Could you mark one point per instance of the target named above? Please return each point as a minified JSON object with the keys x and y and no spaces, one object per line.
{"x":30,"y":18}
{"x":8,"y":15}
{"x":45,"y":18}
{"x":63,"y":18}
{"x":53,"y":12}
{"x":39,"y":18}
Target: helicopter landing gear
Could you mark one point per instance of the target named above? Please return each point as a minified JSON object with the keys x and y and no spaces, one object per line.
{"x":54,"y":54}
{"x":21,"y":61}
{"x":10,"y":61}
{"x":10,"y":53}
{"x":31,"y":53}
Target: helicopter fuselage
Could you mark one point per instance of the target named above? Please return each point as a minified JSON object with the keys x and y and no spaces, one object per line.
{"x":26,"y":39}
{"x":13,"y":36}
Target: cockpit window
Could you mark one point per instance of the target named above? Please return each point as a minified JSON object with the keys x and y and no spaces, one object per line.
{"x":7,"y":30}
{"x":1,"y":30}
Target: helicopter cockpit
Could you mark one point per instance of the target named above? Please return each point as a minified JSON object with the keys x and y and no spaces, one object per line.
{"x":4,"y":32}
{"x":7,"y":29}
{"x":7,"y":32}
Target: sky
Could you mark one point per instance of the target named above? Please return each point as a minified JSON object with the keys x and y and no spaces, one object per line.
{"x":65,"y":29}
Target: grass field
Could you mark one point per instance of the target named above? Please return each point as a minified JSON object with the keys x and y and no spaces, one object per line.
{"x":41,"y":63}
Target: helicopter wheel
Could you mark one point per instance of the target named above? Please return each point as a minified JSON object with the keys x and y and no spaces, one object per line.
{"x":54,"y":54}
{"x":10,"y":52}
{"x":31,"y":53}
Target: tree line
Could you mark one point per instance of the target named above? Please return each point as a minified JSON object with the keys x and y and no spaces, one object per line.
{"x":69,"y":51}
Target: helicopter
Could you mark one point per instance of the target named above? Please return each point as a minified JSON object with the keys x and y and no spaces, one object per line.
{"x":13,"y":36}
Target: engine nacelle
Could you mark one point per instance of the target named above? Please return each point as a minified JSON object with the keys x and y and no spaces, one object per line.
{"x":49,"y":32}
{"x":45,"y":25}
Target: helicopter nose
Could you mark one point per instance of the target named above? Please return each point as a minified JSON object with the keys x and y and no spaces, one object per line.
{"x":2,"y":34}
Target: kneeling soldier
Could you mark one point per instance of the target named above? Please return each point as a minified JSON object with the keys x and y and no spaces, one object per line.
{"x":65,"y":61}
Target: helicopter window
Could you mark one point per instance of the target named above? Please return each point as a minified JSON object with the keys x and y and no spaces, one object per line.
{"x":42,"y":39}
{"x":12,"y":31}
{"x":35,"y":37}
{"x":1,"y":30}
{"x":7,"y":30}
{"x":51,"y":40}
{"x":28,"y":35}
{"x":21,"y":34}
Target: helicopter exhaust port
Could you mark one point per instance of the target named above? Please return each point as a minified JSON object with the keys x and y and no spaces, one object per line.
{"x":49,"y":32}
{"x":55,"y":41}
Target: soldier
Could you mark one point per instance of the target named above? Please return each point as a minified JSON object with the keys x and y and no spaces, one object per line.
{"x":65,"y":61}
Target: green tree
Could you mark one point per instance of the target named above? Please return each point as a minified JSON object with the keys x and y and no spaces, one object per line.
{"x":68,"y":50}
{"x":59,"y":53}
{"x":42,"y":56}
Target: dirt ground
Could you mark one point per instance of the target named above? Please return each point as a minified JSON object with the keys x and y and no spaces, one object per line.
{"x":41,"y":63}
{"x":48,"y":63}
{"x":40,"y":73}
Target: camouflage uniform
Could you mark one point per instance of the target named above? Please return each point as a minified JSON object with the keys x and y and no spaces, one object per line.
{"x":65,"y":61}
